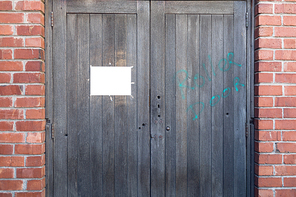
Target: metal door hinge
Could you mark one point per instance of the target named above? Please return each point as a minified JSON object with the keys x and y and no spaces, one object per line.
{"x":247,"y":129}
{"x":49,"y":129}
{"x":251,"y":120}
{"x":247,"y":19}
{"x":52,"y":19}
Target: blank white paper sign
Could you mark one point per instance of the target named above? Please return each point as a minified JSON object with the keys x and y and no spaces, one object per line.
{"x":110,"y":80}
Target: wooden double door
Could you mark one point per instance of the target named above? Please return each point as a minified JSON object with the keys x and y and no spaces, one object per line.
{"x":182,"y":130}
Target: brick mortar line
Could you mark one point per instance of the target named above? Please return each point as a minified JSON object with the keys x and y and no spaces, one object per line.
{"x":272,"y":72}
{"x":267,"y":83}
{"x":21,"y":36}
{"x":274,"y":118}
{"x":24,"y":96}
{"x":24,"y":132}
{"x":23,"y":107}
{"x":276,"y":130}
{"x":292,"y":26}
{"x":2,"y":108}
{"x":25,"y":59}
{"x":265,"y":142}
{"x":23,"y":83}
{"x":21,"y":191}
{"x":37,"y":107}
{"x":276,"y":188}
{"x":273,"y":2}
{"x":273,"y":176}
{"x":22,"y":47}
{"x":272,"y":96}
{"x":273,"y":37}
{"x":24,"y":71}
{"x":274,"y":14}
{"x":273,"y":153}
{"x":18,"y":120}
{"x":273,"y":141}
{"x":274,"y":50}
{"x":30,"y":60}
{"x":282,"y":164}
{"x":22,"y":143}
{"x":272,"y":84}
{"x":27,"y":24}
{"x":22,"y":11}
{"x":18,"y":48}
{"x":23,"y":167}
{"x":24,"y":155}
{"x":278,"y":49}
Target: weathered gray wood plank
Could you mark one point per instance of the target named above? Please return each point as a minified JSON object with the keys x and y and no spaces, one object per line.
{"x":72,"y":80}
{"x":77,"y":6}
{"x":96,"y":107}
{"x":143,"y":22}
{"x":239,"y":99}
{"x":201,"y":7}
{"x":59,"y":101}
{"x":108,"y":109}
{"x":250,"y":99}
{"x":193,"y":104}
{"x":228,"y":108}
{"x":157,"y":99}
{"x":205,"y":119}
{"x":120,"y":111}
{"x":217,"y":111}
{"x":170,"y":106}
{"x":181,"y":106}
{"x":132,"y":139}
{"x":83,"y":94}
{"x":49,"y":156}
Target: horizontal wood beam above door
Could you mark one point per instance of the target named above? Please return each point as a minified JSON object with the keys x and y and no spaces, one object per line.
{"x":77,"y":6}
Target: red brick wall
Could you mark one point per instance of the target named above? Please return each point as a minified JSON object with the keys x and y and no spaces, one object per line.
{"x":275,"y":98}
{"x":22,"y":112}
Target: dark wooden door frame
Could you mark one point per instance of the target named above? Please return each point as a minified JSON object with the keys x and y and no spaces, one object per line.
{"x":50,"y":95}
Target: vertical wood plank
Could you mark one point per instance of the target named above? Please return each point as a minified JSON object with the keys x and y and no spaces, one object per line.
{"x":239,"y":99}
{"x":157,"y":98}
{"x":59,"y":101}
{"x":228,"y":108}
{"x":120,"y":112}
{"x":193,"y":105}
{"x":250,"y":163}
{"x":205,"y":120}
{"x":170,"y":106}
{"x":131,"y":60}
{"x":143,"y":43}
{"x":83,"y":93}
{"x":217,"y":110}
{"x":181,"y":106}
{"x":96,"y":108}
{"x":108,"y":109}
{"x":49,"y":156}
{"x":72,"y":108}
